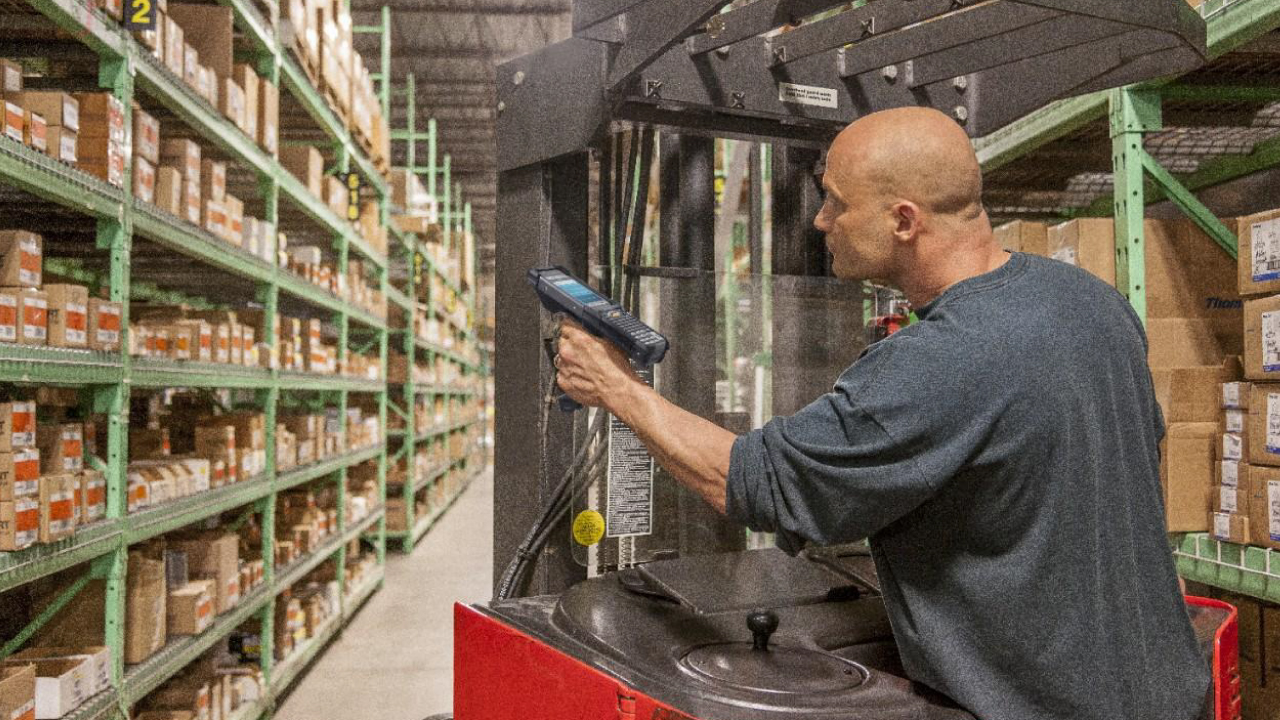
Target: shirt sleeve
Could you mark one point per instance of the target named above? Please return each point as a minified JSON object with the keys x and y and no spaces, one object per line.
{"x":857,"y":459}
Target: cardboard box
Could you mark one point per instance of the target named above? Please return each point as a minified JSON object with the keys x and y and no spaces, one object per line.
{"x":59,"y":109}
{"x":305,"y":163}
{"x":145,"y":607}
{"x":104,"y":325}
{"x":1235,"y":395}
{"x":61,"y":447}
{"x":183,"y":155}
{"x":62,"y":145}
{"x":190,"y":608}
{"x":21,"y":258}
{"x":148,"y":443}
{"x":214,"y":217}
{"x":62,"y":685}
{"x":190,"y":66}
{"x":1193,"y":394}
{"x":33,"y":317}
{"x":168,"y":195}
{"x":247,"y":79}
{"x":183,"y":697}
{"x":10,"y":76}
{"x":213,"y":179}
{"x":1234,"y":421}
{"x":1233,"y":447}
{"x":1258,"y":241}
{"x":209,"y":32}
{"x":14,"y":121}
{"x":268,"y":116}
{"x":175,"y":47}
{"x":216,"y":557}
{"x":93,"y":495}
{"x":57,"y":506}
{"x":17,"y":425}
{"x":1263,"y":484}
{"x":19,"y":474}
{"x":191,"y":202}
{"x":35,"y":132}
{"x":19,"y":523}
{"x":144,"y":180}
{"x":231,"y":100}
{"x":1087,"y":243}
{"x":1230,"y":527}
{"x":1264,"y":424}
{"x":98,"y":657}
{"x":1186,"y":475}
{"x":18,"y":692}
{"x":8,"y":315}
{"x":1231,"y":499}
{"x":233,"y":231}
{"x":146,"y":136}
{"x":68,"y":321}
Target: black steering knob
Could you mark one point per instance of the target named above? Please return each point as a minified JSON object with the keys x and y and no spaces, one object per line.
{"x":762,"y":623}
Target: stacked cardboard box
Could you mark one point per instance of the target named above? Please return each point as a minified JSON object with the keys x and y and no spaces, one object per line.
{"x":146,"y":603}
{"x":103,"y":136}
{"x":178,"y":180}
{"x":57,"y":112}
{"x":157,"y":481}
{"x":18,"y":691}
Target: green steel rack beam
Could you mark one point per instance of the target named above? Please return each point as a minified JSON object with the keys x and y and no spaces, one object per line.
{"x":291,"y":478}
{"x":58,"y":366}
{"x":47,"y":178}
{"x":91,"y":542}
{"x":167,"y":517}
{"x":156,"y":373}
{"x":175,"y":234}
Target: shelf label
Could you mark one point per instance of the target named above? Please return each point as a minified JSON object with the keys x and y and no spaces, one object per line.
{"x":353,"y":197}
{"x":1271,"y":341}
{"x":1265,"y":240}
{"x":1230,"y":473}
{"x":1232,"y":447}
{"x":1234,"y":420}
{"x":1231,"y":394}
{"x":808,"y":95}
{"x":141,"y":15}
{"x":1228,"y":499}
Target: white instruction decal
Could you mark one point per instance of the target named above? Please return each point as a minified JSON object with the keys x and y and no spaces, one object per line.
{"x":1265,"y":239}
{"x":629,"y":503}
{"x":1273,"y":423}
{"x":808,"y":95}
{"x":1234,"y":421}
{"x":1273,"y":504}
{"x":1228,"y":499}
{"x":1222,"y":526}
{"x":1231,"y":473}
{"x":1270,"y":341}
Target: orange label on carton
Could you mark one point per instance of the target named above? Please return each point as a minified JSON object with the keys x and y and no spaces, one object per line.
{"x":37,"y":132}
{"x":72,"y":450}
{"x":108,"y":324}
{"x":22,"y":418}
{"x":13,"y":122}
{"x":8,"y":318}
{"x":77,"y":323}
{"x":26,"y":712}
{"x":62,"y":510}
{"x":182,"y":346}
{"x":29,"y":262}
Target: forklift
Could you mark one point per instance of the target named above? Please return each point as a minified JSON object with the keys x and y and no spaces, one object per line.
{"x":617,"y":592}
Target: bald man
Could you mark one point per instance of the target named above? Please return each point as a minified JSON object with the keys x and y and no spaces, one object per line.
{"x":1001,"y":454}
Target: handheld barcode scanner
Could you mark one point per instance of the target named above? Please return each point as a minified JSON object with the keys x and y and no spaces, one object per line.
{"x":560,"y":292}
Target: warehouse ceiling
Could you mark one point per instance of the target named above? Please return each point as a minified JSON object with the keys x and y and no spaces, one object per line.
{"x":452,"y":48}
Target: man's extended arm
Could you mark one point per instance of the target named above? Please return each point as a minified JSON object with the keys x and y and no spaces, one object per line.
{"x":696,"y":451}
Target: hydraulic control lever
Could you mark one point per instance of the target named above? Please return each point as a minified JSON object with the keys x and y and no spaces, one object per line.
{"x":560,"y":292}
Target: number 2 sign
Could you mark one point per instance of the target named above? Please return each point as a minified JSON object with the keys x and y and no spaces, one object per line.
{"x":141,"y":15}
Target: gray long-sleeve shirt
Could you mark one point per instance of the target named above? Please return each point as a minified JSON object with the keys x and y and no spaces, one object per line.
{"x":1002,"y":455}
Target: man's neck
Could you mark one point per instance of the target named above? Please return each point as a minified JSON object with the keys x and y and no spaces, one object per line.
{"x":927,"y":281}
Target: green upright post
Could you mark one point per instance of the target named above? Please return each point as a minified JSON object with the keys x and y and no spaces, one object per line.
{"x":475,"y":256}
{"x":1133,"y":113}
{"x":446,"y":220}
{"x":385,"y":93}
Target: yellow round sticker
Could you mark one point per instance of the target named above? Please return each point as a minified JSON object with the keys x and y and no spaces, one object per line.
{"x":588,"y":527}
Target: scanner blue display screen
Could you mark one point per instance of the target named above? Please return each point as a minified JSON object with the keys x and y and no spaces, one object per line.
{"x":578,"y":291}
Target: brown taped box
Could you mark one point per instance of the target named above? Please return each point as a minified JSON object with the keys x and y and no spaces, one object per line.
{"x":93,"y":496}
{"x":191,"y":203}
{"x":305,"y":163}
{"x":1185,"y":342}
{"x":17,"y":425}
{"x":19,"y":474}
{"x":268,"y":116}
{"x":1230,"y":527}
{"x":187,"y":694}
{"x":231,"y":100}
{"x":190,"y":608}
{"x":213,"y":179}
{"x":8,"y":315}
{"x":36,"y":132}
{"x":57,"y":506}
{"x":59,"y":109}
{"x":19,"y":523}
{"x":1264,"y":404}
{"x":174,"y":46}
{"x":145,"y":608}
{"x":184,"y":155}
{"x":1231,"y":499}
{"x":1258,"y":266}
{"x":146,"y":136}
{"x":10,"y":76}
{"x":168,"y":196}
{"x":61,"y":447}
{"x":208,"y":30}
{"x":217,"y":557}
{"x":62,"y":144}
{"x":1263,"y":488}
{"x":14,"y":121}
{"x":1193,"y":394}
{"x":144,"y":180}
{"x":21,"y":258}
{"x":18,"y":692}
{"x":1186,"y":475}
{"x":247,"y":79}
{"x":68,"y":323}
{"x":148,"y":443}
{"x":191,"y":67}
{"x":1262,"y":338}
{"x":1024,"y":236}
{"x":33,"y":317}
{"x":104,"y":325}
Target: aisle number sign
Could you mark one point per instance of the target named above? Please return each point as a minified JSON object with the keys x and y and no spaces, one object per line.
{"x":353,"y":197}
{"x":141,"y":15}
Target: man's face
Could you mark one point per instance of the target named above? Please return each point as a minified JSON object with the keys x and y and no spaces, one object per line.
{"x":858,"y":230}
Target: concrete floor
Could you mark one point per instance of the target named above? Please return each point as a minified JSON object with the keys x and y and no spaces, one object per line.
{"x":395,"y":660}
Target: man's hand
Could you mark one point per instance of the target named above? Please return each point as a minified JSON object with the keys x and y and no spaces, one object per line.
{"x":593,"y":371}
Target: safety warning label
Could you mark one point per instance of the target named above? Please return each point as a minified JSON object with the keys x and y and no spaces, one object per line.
{"x":808,"y":95}
{"x":629,"y":509}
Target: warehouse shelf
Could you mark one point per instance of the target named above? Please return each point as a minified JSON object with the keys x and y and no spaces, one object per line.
{"x":291,"y":668}
{"x":105,"y":704}
{"x":159,"y":373}
{"x":171,"y":91}
{"x":423,"y":526}
{"x":356,"y":599}
{"x":26,"y":363}
{"x":297,"y":476}
{"x":317,"y":210}
{"x":1246,"y":570}
{"x":89,"y":25}
{"x":312,"y":293}
{"x":92,"y":541}
{"x":310,"y":381}
{"x":249,"y":711}
{"x":252,"y":24}
{"x":398,"y":297}
{"x":434,"y":474}
{"x":174,"y":233}
{"x":296,"y":570}
{"x":166,"y":517}
{"x":43,"y":176}
{"x":145,"y":677}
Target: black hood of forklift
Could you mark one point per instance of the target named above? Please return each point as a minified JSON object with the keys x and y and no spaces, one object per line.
{"x":677,"y":631}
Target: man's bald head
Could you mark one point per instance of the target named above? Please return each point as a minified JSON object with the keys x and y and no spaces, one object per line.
{"x":915,"y":154}
{"x":904,"y":202}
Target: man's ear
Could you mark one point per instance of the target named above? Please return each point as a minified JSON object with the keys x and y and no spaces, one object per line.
{"x":907,"y":219}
